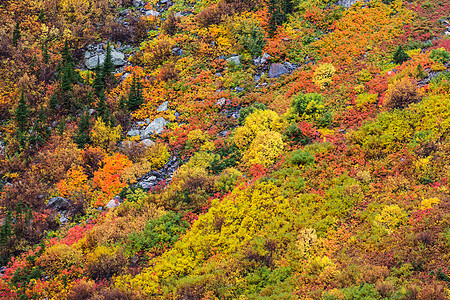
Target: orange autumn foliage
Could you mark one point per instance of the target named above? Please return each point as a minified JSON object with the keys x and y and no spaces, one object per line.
{"x":107,"y":178}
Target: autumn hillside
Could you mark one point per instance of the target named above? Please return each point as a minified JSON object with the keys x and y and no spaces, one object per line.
{"x":224,"y":149}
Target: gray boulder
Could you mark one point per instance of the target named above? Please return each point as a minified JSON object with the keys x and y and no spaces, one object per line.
{"x":114,"y":202}
{"x":346,"y":3}
{"x":163,"y":106}
{"x":118,"y":59}
{"x":276,"y":70}
{"x":177,"y":51}
{"x":59,"y":204}
{"x":155,"y":127}
{"x":152,"y":13}
{"x":147,"y":143}
{"x":234,"y":60}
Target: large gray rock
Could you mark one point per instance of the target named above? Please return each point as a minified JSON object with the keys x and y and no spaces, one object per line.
{"x":346,"y":3}
{"x":276,"y":70}
{"x":163,"y":106}
{"x":155,"y":127}
{"x":118,"y":59}
{"x":151,"y":13}
{"x":234,"y":60}
{"x":114,"y":202}
{"x":147,"y":143}
{"x":59,"y":204}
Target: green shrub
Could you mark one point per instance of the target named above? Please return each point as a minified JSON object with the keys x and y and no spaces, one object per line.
{"x":400,"y":56}
{"x":245,"y":112}
{"x":302,"y":157}
{"x":158,"y":234}
{"x":440,"y":55}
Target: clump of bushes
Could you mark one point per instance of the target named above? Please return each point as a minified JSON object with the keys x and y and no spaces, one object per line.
{"x":402,"y":93}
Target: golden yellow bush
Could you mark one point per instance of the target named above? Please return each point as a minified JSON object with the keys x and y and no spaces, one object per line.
{"x":323,"y":74}
{"x":264,"y":149}
{"x":258,"y":121}
{"x":105,"y":136}
{"x":59,"y":257}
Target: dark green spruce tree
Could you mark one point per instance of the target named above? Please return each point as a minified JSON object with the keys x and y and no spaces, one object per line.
{"x":22,"y":114}
{"x":82,"y":137}
{"x":108,"y":66}
{"x":275,"y":16}
{"x":102,"y":108}
{"x":40,"y":131}
{"x":400,"y":56}
{"x":98,"y":83}
{"x":135,"y":98}
{"x":17,"y":35}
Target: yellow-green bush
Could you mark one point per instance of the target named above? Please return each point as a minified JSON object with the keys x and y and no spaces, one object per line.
{"x":59,"y":257}
{"x":258,"y":121}
{"x":323,"y":75}
{"x":264,"y":149}
{"x":105,"y":136}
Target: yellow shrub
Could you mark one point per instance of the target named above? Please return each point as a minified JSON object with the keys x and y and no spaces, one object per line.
{"x":391,"y":217}
{"x":264,"y":149}
{"x":105,"y":136}
{"x":59,"y":257}
{"x":364,"y":99}
{"x":323,"y":74}
{"x":429,"y":203}
{"x":155,"y":158}
{"x":258,"y":121}
{"x":197,"y":138}
{"x":158,"y":155}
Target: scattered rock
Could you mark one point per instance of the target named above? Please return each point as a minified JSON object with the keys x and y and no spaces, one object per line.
{"x":221,"y":101}
{"x":152,"y":13}
{"x":118,"y":59}
{"x":262,"y":60}
{"x":234,"y":60}
{"x":163,"y":106}
{"x":257,"y":77}
{"x":177,"y":51}
{"x":147,"y":143}
{"x":155,"y":127}
{"x":276,"y":70}
{"x":59,"y":204}
{"x":346,"y":3}
{"x":138,"y":3}
{"x":114,"y":202}
{"x":239,"y":89}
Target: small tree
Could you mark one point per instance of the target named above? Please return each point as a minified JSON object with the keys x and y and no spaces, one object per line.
{"x":22,"y":114}
{"x":275,"y":16}
{"x":400,"y":56}
{"x":17,"y":35}
{"x":99,"y":80}
{"x":82,"y":138}
{"x":108,"y":66}
{"x":102,"y":108}
{"x":135,"y":98}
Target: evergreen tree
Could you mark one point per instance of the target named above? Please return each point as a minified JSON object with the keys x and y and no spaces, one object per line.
{"x":102,"y":109}
{"x":288,"y":8}
{"x":53,"y":101}
{"x":40,"y":132}
{"x":82,"y":138}
{"x":108,"y":66}
{"x":135,"y":98}
{"x":400,"y":56}
{"x":275,"y":16}
{"x":17,"y":35}
{"x":99,"y":81}
{"x":22,"y":114}
{"x":45,"y":54}
{"x":6,"y":229}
